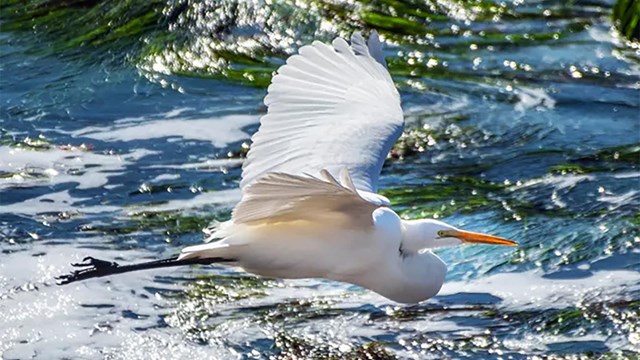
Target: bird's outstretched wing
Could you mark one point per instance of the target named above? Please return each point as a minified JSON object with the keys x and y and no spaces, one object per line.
{"x":329,"y":107}
{"x":285,"y":198}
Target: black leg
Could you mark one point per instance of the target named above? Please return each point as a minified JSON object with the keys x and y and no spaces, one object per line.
{"x":92,"y":268}
{"x":97,"y":268}
{"x":97,"y":263}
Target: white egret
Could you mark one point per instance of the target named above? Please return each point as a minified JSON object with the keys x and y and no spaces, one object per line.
{"x":309,"y":207}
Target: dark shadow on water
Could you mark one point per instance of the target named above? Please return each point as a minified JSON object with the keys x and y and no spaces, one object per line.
{"x":568,"y":274}
{"x":470,"y":321}
{"x":128,"y":314}
{"x":578,"y":347}
{"x":469,"y":298}
{"x":97,"y":306}
{"x":628,"y":261}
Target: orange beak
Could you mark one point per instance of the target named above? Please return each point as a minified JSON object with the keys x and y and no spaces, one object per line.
{"x":478,"y":238}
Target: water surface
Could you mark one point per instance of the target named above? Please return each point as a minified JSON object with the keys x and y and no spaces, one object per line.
{"x":111,"y":152}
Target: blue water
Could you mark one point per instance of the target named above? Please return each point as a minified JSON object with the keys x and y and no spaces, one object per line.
{"x":127,"y":157}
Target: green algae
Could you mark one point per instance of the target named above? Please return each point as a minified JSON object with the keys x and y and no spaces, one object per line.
{"x":282,"y":321}
{"x":290,"y":346}
{"x":622,"y":157}
{"x":39,"y":143}
{"x":170,"y":223}
{"x":564,"y":169}
{"x":629,"y":154}
{"x":197,"y":39}
{"x":586,"y":317}
{"x":195,"y":312}
{"x":626,"y":16}
{"x":210,"y":289}
{"x":444,"y":197}
{"x":88,"y":24}
{"x":221,"y":289}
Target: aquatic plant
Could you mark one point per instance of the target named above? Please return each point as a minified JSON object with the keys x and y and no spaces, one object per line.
{"x":626,"y":15}
{"x":170,"y":223}
{"x":245,"y":42}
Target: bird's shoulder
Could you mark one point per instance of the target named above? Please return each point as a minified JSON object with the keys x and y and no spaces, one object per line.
{"x":387,"y":221}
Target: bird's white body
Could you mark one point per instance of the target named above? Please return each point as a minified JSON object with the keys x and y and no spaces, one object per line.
{"x":372,"y":258}
{"x":309,"y":207}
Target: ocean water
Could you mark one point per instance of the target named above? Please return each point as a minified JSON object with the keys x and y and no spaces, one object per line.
{"x":129,"y":160}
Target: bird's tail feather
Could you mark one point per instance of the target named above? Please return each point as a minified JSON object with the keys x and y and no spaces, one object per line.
{"x":204,"y":251}
{"x":217,"y":230}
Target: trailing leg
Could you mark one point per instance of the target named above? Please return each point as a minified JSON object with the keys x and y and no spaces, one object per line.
{"x":93,"y":268}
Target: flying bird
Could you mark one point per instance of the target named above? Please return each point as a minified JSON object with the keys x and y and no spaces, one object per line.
{"x":309,"y":206}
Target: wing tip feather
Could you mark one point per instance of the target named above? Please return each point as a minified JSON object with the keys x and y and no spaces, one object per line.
{"x":284,"y":101}
{"x":375,"y":48}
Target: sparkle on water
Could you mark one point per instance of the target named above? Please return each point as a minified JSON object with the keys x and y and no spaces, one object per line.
{"x":123,"y":141}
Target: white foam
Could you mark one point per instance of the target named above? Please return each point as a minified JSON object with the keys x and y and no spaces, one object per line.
{"x":528,"y":289}
{"x":558,"y":181}
{"x":221,"y":198}
{"x":215,"y":164}
{"x":626,"y":174}
{"x":61,"y":322}
{"x":533,"y":98}
{"x":56,"y":166}
{"x":166,"y":177}
{"x":51,"y":320}
{"x":219,"y":131}
{"x":618,"y":200}
{"x":56,"y":202}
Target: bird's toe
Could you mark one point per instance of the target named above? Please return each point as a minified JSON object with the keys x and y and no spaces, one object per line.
{"x":96,"y":263}
{"x":64,"y":279}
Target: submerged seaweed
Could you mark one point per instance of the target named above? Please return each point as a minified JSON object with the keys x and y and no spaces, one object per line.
{"x":626,"y":14}
{"x":245,"y":41}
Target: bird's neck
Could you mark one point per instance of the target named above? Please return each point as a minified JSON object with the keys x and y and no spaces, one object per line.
{"x":415,"y":236}
{"x":422,"y":234}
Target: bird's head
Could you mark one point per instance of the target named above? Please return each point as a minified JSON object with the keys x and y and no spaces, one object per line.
{"x":428,"y":233}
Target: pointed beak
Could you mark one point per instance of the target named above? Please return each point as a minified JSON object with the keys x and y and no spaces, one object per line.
{"x":478,"y":238}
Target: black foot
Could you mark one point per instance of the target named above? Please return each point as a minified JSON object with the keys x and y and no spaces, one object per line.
{"x":93,"y":268}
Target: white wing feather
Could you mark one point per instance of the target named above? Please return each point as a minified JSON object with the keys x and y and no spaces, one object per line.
{"x":291,"y":204}
{"x":284,"y":198}
{"x":328,"y":108}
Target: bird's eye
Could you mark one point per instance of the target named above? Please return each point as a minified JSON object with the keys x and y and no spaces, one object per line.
{"x":441,"y":233}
